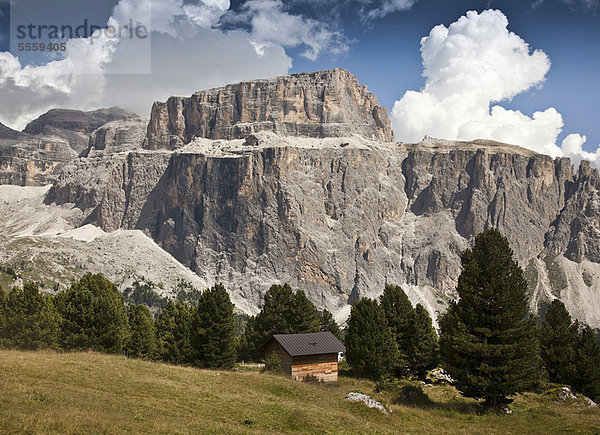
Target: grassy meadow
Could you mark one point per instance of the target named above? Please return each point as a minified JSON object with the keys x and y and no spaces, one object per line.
{"x":90,"y":392}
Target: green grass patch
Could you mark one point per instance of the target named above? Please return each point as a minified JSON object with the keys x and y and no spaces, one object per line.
{"x":89,"y":392}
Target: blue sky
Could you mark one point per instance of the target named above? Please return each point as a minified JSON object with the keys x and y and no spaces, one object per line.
{"x":217,"y":42}
{"x":385,"y":54}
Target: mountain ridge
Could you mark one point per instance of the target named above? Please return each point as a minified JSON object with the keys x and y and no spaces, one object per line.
{"x":338,"y":212}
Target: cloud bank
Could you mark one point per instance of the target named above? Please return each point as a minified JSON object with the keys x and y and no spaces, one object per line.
{"x":469,"y":66}
{"x":387,"y":7}
{"x":189,"y":52}
{"x":589,"y":5}
{"x":273,"y":26}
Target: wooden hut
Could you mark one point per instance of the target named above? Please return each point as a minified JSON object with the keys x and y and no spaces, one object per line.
{"x":306,"y":357}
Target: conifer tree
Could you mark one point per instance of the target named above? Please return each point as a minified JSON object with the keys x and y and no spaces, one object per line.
{"x":328,"y":324}
{"x":423,"y":354}
{"x":557,"y":339}
{"x":304,"y":316}
{"x":400,"y":317}
{"x":488,"y":343}
{"x":94,"y":315}
{"x":142,"y":340}
{"x":29,"y":319}
{"x":246,"y":347}
{"x":2,"y":317}
{"x":283,"y":313}
{"x":173,"y":330}
{"x":371,"y":350}
{"x":276,"y":315}
{"x":214,"y":330}
{"x":587,"y":364}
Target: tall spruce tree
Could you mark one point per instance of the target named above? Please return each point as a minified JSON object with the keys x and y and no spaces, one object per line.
{"x":371,"y":349}
{"x":246,"y":345}
{"x":400,"y":316}
{"x":557,"y":338}
{"x":94,"y":315}
{"x":488,"y":343}
{"x":214,"y":330}
{"x":423,"y":354}
{"x":284,"y":312}
{"x":328,"y":324}
{"x":304,"y":316}
{"x":2,"y":317}
{"x":142,"y":341}
{"x":173,"y":331}
{"x":28,"y":319}
{"x":587,"y":363}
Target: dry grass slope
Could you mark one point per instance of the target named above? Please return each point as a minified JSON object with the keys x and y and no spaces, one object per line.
{"x":88,"y":392}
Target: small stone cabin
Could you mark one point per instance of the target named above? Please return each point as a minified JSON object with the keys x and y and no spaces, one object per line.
{"x":306,"y":357}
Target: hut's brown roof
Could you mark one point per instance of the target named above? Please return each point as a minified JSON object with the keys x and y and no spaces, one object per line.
{"x":313,"y":343}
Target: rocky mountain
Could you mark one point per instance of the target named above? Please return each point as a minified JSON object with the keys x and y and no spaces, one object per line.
{"x":322,"y":104}
{"x":34,"y":160}
{"x":76,"y":120}
{"x":8,"y":133}
{"x":35,"y":156}
{"x":46,"y":244}
{"x":75,"y":126}
{"x":117,"y":136}
{"x":297,"y":179}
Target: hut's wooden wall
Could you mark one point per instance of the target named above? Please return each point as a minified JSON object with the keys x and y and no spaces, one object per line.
{"x":274,"y":348}
{"x":322,"y":368}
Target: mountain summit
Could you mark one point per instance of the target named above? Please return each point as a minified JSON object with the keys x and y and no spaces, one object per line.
{"x":321,"y":104}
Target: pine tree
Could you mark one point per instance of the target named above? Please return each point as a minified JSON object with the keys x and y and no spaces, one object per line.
{"x":173,"y":331}
{"x":371,"y":349}
{"x":400,"y":317}
{"x":328,"y":324}
{"x":94,"y":315}
{"x":557,"y":339}
{"x":246,"y":344}
{"x":304,"y":316}
{"x":142,"y":340}
{"x":587,"y":364}
{"x":29,"y":319}
{"x":283,"y":313}
{"x":275,"y":317}
{"x":488,"y":343}
{"x":423,"y":354}
{"x":3,"y":340}
{"x":214,"y":330}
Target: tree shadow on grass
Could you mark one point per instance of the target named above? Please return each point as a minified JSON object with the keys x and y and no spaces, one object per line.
{"x":414,"y":396}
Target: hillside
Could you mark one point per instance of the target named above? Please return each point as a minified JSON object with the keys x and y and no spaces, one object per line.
{"x":87,"y":392}
{"x":43,"y":245}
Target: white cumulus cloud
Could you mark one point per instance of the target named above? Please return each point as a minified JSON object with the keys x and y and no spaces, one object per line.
{"x":189,"y":52}
{"x":469,"y":66}
{"x":389,"y":6}
{"x":272,"y":25}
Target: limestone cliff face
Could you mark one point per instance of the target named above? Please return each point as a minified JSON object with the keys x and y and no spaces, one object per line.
{"x":296,"y":180}
{"x":323,"y":104}
{"x":35,"y":156}
{"x":34,"y":161}
{"x":116,"y":137}
{"x":76,"y":120}
{"x":113,"y":189}
{"x":340,"y":218}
